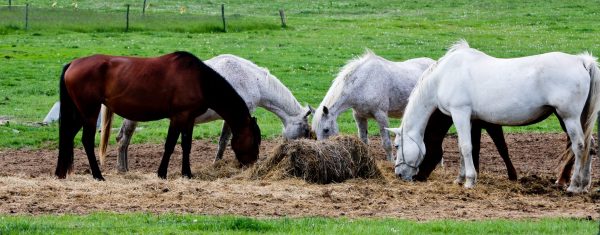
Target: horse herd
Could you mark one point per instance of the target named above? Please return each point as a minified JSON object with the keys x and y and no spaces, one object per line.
{"x":465,"y":87}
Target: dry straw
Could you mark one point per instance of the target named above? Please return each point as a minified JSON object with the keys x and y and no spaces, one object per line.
{"x":323,"y":162}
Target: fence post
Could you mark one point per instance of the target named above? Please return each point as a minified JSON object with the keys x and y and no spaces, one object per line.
{"x":26,"y":16}
{"x":282,"y":15}
{"x":223,"y":16}
{"x":9,"y":4}
{"x":127,"y":19}
{"x":144,"y":9}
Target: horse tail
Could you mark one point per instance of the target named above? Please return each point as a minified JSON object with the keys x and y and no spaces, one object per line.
{"x":107,"y":116}
{"x":68,"y":121}
{"x":592,"y":105}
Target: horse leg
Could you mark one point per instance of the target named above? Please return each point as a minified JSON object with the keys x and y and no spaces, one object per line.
{"x":87,"y":138}
{"x":575,"y":133}
{"x":68,"y":130}
{"x":567,"y":160}
{"x":497,"y":135}
{"x":124,"y":138}
{"x":186,"y":147}
{"x":476,"y":142}
{"x":172,"y":136}
{"x":225,"y":135}
{"x":462,"y":122}
{"x":382,"y":119}
{"x":362,"y":125}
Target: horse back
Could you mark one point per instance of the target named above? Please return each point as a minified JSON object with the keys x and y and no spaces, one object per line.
{"x":497,"y":88}
{"x":139,"y":89}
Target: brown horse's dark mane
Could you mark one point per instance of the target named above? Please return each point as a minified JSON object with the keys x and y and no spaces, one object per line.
{"x":219,"y":87}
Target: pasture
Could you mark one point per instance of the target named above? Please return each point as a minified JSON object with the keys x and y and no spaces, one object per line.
{"x":320,"y":38}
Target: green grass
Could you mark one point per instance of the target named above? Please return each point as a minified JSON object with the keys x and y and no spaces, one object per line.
{"x":306,"y":56}
{"x":102,"y":223}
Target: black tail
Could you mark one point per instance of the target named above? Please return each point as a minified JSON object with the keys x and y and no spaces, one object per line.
{"x":69,"y":123}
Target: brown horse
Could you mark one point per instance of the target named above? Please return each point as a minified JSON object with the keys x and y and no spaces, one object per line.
{"x":177,"y":86}
{"x":436,"y":130}
{"x":438,"y":126}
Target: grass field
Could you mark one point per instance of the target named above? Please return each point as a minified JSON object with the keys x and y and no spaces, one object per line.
{"x":306,"y":56}
{"x":321,"y":37}
{"x":103,"y":223}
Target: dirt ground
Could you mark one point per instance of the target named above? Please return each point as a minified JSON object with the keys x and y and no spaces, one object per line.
{"x":27,"y":186}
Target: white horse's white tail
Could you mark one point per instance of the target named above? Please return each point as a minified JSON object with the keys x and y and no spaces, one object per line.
{"x":592,"y":107}
{"x":107,"y":116}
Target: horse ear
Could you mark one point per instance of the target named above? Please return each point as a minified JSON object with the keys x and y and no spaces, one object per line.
{"x":394,"y":130}
{"x":310,"y":110}
{"x":325,"y":110}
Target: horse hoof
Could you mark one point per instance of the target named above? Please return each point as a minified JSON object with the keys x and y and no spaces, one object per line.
{"x":469,"y":184}
{"x":162,"y":176}
{"x":575,"y":190}
{"x":61,"y":176}
{"x":572,"y":189}
{"x":99,"y":178}
{"x":459,"y":180}
{"x":187,"y":175}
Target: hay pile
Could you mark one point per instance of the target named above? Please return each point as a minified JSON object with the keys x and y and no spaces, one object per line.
{"x":323,"y":162}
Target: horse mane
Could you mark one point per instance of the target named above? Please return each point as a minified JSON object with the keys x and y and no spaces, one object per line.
{"x":421,"y":89}
{"x":337,"y":86}
{"x":272,"y":84}
{"x":184,"y":56}
{"x":460,"y":44}
{"x":286,"y":96}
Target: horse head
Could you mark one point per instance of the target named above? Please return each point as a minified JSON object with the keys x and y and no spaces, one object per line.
{"x":246,"y":142}
{"x":325,"y":124}
{"x":297,"y":126}
{"x":409,"y":154}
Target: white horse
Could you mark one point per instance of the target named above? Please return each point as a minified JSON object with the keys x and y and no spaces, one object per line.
{"x":255,"y":85}
{"x":468,"y":84}
{"x":374,"y":88}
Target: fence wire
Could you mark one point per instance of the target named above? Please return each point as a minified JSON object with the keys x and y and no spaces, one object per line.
{"x":20,"y":17}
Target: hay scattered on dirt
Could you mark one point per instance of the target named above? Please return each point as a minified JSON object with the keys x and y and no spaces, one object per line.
{"x":323,"y":162}
{"x":534,"y":184}
{"x":224,"y":168}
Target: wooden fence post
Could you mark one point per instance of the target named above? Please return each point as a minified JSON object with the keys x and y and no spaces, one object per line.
{"x":282,"y":15}
{"x":26,"y":16}
{"x":223,"y":16}
{"x":127,"y":19}
{"x":9,"y":4}
{"x":144,"y":8}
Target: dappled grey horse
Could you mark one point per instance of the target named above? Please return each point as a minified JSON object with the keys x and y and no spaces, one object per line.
{"x":372,"y":87}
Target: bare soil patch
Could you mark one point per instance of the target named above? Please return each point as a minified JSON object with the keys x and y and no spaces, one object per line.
{"x":27,"y":186}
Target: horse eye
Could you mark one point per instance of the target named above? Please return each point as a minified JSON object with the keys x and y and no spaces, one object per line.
{"x":326,"y":130}
{"x":396,"y":146}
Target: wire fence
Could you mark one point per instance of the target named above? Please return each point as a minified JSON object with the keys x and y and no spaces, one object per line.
{"x":127,"y":18}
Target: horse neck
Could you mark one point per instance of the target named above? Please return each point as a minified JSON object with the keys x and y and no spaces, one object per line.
{"x":334,"y":109}
{"x":417,"y":113}
{"x":226,"y":102}
{"x":276,"y":98}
